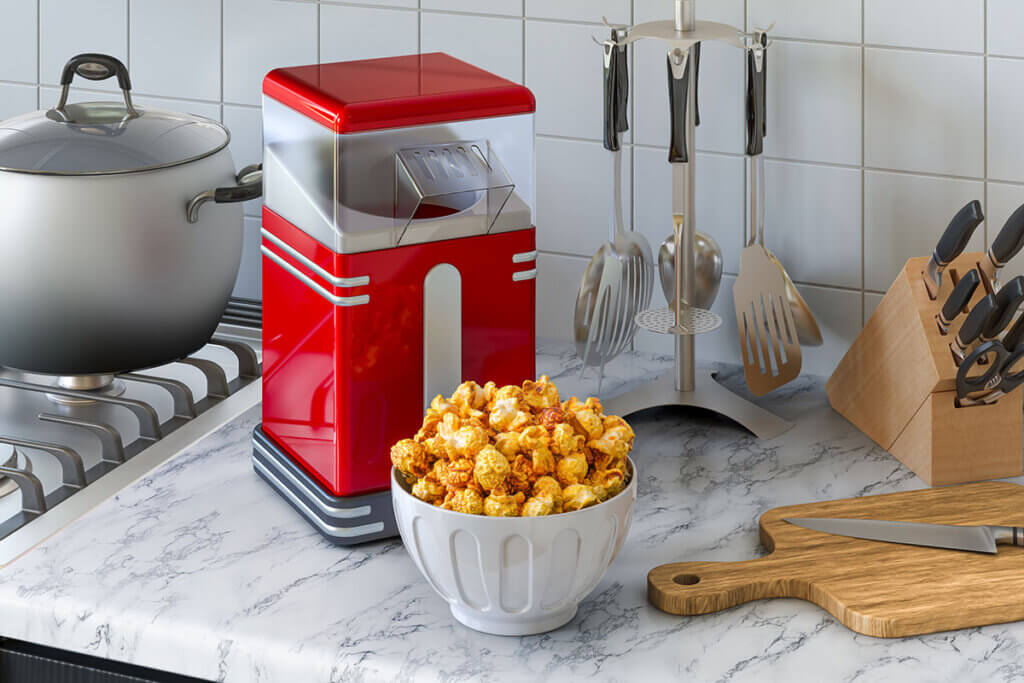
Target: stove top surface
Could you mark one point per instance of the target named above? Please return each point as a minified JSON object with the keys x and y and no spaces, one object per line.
{"x":62,"y":456}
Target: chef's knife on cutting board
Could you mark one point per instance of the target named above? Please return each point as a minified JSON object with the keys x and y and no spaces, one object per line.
{"x":1005,"y":246}
{"x":976,"y":539}
{"x":951,"y":244}
{"x":976,"y":321}
{"x":957,"y":300}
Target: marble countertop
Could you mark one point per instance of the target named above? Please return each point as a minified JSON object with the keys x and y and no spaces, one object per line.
{"x":200,"y":569}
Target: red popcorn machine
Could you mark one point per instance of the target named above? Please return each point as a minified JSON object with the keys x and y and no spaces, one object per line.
{"x":398,"y":261}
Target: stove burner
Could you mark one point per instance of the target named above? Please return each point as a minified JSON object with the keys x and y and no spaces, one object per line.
{"x":102,"y":385}
{"x":7,"y":485}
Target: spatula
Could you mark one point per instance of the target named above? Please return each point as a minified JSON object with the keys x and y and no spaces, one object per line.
{"x":769,"y":344}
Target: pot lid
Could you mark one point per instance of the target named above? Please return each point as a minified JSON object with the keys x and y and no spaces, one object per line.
{"x":98,"y":138}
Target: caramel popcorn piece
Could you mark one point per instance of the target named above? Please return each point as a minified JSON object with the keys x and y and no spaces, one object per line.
{"x":615,"y":442}
{"x":522,"y":476}
{"x":548,"y":487}
{"x":538,"y":507}
{"x":534,"y":437}
{"x":465,"y":500}
{"x":469,"y":395}
{"x":503,"y":505}
{"x":543,"y":461}
{"x":503,"y":413}
{"x":521,"y":422}
{"x":609,"y":482}
{"x":491,"y":469}
{"x":507,"y":444}
{"x":457,"y":473}
{"x":565,"y":440}
{"x":578,"y":496}
{"x":410,"y":458}
{"x":469,"y":440}
{"x":552,"y":417}
{"x":587,"y":423}
{"x":428,"y":489}
{"x":540,"y":394}
{"x":572,"y":469}
{"x":441,"y":405}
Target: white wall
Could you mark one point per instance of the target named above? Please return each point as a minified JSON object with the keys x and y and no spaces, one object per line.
{"x":884,"y":116}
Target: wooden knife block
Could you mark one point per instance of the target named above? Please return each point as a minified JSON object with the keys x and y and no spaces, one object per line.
{"x":897,"y":384}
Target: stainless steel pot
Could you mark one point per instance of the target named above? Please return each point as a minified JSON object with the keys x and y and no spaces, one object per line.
{"x":111,"y":261}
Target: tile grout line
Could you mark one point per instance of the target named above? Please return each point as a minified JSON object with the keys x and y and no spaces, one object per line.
{"x":39,"y":52}
{"x":863,"y":166}
{"x":984,"y":122}
{"x":222,"y":110}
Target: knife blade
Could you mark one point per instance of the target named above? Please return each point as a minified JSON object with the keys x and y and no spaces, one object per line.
{"x":977,"y":539}
{"x":1008,"y":300}
{"x":952,"y":243}
{"x":976,"y":321}
{"x":1005,"y":246}
{"x":957,"y":300}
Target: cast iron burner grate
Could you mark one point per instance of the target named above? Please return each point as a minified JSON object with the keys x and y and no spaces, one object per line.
{"x":75,"y":476}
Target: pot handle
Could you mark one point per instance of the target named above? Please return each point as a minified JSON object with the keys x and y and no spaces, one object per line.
{"x":95,"y":67}
{"x":250,"y":186}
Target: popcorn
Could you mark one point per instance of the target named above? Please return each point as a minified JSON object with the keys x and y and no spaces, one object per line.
{"x":491,"y":469}
{"x":515,"y":451}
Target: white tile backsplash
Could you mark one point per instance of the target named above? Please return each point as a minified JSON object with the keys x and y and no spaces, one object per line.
{"x":18,"y":34}
{"x":616,"y":11}
{"x":1005,"y":129}
{"x":260,"y":35}
{"x":366,"y":33}
{"x":814,"y":107}
{"x":160,"y":28}
{"x":512,"y":8}
{"x":902,"y":122}
{"x":1005,"y":18}
{"x":924,"y":112}
{"x":569,"y":97}
{"x":904,"y":216}
{"x":17,"y":99}
{"x":69,"y":27}
{"x":956,"y":25}
{"x":834,"y":20}
{"x":492,"y":43}
{"x":813,"y":221}
{"x":573,"y":216}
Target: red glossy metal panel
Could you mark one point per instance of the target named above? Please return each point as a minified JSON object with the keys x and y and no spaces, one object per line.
{"x":343,"y":383}
{"x":394,"y":92}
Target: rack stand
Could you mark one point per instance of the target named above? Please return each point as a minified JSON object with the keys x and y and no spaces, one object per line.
{"x":683,"y":387}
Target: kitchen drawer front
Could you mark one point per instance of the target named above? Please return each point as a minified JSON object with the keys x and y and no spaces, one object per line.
{"x":28,"y":663}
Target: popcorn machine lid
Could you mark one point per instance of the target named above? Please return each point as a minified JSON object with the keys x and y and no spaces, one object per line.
{"x":393,"y":92}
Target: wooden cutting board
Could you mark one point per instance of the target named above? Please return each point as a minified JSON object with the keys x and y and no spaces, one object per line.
{"x":878,"y":589}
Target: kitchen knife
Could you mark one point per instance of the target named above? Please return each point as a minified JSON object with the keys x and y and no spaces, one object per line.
{"x":977,"y":539}
{"x":1008,"y":300}
{"x":976,"y":321}
{"x":951,"y":244}
{"x":1005,"y":246}
{"x":959,"y":298}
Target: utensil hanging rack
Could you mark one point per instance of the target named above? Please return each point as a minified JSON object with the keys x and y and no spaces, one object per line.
{"x":684,"y":386}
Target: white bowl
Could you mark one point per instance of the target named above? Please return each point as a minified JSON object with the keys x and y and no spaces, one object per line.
{"x":513,"y":576}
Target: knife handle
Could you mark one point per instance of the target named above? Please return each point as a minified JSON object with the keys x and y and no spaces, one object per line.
{"x":957,"y":300}
{"x":1008,"y":300}
{"x":678,"y":77}
{"x":621,"y":85}
{"x":1008,"y":535}
{"x":958,"y":233}
{"x":1010,"y":239}
{"x":695,"y":54}
{"x":611,"y":135}
{"x":755,"y":99}
{"x":976,"y":321}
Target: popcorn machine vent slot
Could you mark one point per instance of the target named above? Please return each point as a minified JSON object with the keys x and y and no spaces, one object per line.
{"x":442,"y":180}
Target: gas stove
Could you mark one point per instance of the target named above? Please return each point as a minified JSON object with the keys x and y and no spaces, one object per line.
{"x":66,"y":444}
